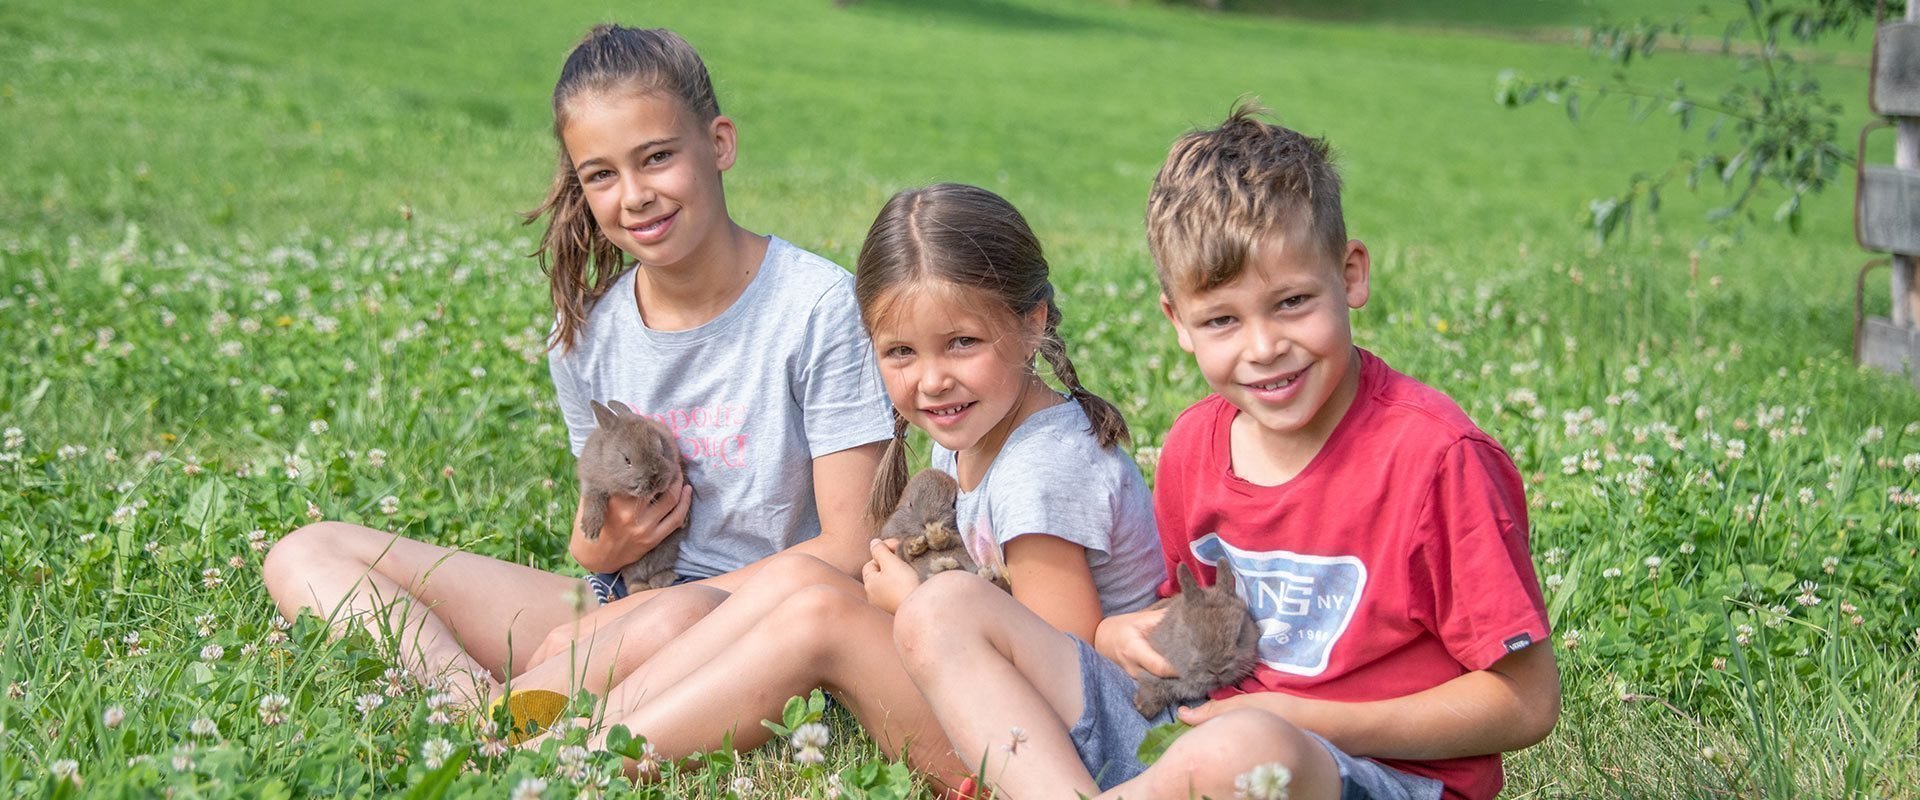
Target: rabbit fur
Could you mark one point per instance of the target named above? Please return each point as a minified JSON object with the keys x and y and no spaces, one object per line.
{"x":1207,"y":634}
{"x":925,"y":523}
{"x":633,"y":455}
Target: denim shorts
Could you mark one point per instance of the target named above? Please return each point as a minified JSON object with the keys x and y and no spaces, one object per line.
{"x":610,"y":586}
{"x":1109,"y":732}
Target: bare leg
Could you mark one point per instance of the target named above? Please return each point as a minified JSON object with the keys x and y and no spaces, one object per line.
{"x":776,"y":581}
{"x":820,"y":637}
{"x":1205,"y":762}
{"x":597,"y":661}
{"x":455,"y":613}
{"x":987,"y":666}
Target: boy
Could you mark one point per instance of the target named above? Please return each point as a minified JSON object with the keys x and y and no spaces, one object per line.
{"x":1379,"y":538}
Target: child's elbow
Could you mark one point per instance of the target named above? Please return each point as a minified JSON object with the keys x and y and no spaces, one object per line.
{"x":1539,"y":719}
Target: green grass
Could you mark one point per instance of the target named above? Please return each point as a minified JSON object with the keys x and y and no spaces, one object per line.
{"x":202,"y":252}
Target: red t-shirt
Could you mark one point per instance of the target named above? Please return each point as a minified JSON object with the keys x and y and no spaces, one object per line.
{"x":1394,"y":562}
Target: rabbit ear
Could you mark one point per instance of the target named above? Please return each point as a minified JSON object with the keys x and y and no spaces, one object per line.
{"x":1223,"y":576}
{"x":1187,"y":584}
{"x":602,"y":414}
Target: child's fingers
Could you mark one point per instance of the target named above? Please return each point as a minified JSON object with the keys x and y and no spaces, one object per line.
{"x":1149,"y":660}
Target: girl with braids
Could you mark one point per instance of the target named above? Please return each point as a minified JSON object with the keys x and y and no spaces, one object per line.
{"x":747,"y":347}
{"x":953,"y":291}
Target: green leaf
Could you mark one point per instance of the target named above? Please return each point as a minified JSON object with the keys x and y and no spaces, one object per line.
{"x":1159,"y":739}
{"x":205,"y":505}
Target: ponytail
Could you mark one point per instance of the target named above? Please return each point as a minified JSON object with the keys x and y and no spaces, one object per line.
{"x":891,"y":481}
{"x":1109,"y":427}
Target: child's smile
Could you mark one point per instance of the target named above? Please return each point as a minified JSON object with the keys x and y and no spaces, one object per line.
{"x":1275,"y":341}
{"x":650,"y":172}
{"x":962,"y":377}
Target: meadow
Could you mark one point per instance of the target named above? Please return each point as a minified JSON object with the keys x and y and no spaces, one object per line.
{"x":261,"y":264}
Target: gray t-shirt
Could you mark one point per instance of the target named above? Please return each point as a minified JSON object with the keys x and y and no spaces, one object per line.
{"x":783,"y":376}
{"x":1052,"y":477}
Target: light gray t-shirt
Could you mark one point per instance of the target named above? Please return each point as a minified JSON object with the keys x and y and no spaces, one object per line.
{"x":783,"y":376}
{"x":1052,"y":477}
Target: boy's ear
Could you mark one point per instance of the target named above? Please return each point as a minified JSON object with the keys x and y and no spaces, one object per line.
{"x":726,"y":141}
{"x":1179,"y":330}
{"x":1356,"y":270}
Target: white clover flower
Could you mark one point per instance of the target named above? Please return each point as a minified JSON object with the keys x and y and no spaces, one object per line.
{"x":1829,"y":565}
{"x":183,"y":757}
{"x":1651,"y":562}
{"x":530,"y":789}
{"x":435,"y":752}
{"x":113,"y":716}
{"x":1610,"y":572}
{"x":257,"y":541}
{"x":122,"y":515}
{"x":1570,"y":639}
{"x":366,"y":703}
{"x":812,"y":734}
{"x":273,"y":709}
{"x":376,"y":457}
{"x":1554,"y":581}
{"x":65,"y":769}
{"x":1807,"y":597}
{"x":210,"y":577}
{"x":15,"y":438}
{"x":1911,"y":462}
{"x":1687,"y":548}
{"x":1263,"y":782}
{"x":317,"y":427}
{"x":204,"y":728}
{"x":389,"y":505}
{"x":742,"y":786}
{"x":212,"y":652}
{"x":313,"y":511}
{"x":1873,"y":434}
{"x":808,"y":756}
{"x":1556,"y":555}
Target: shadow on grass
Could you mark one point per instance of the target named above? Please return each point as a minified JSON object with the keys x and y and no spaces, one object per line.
{"x":989,"y":14}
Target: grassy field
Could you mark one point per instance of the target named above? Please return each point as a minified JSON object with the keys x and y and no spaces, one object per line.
{"x":260,"y":264}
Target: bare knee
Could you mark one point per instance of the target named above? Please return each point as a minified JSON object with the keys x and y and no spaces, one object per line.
{"x":938,"y":612}
{"x":1234,"y":743}
{"x":297,"y":554}
{"x":793,"y":571}
{"x":678,"y":608}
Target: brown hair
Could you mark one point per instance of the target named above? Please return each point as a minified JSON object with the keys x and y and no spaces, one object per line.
{"x":581,"y":264}
{"x":1222,"y":191}
{"x":969,"y":238}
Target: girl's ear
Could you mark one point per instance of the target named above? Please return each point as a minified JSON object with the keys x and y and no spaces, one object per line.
{"x":726,"y":141}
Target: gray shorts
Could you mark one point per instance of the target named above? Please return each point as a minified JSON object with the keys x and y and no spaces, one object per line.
{"x":1109,"y":732}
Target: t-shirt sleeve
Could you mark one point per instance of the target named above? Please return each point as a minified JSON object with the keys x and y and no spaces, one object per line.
{"x":1049,"y":487}
{"x":842,"y":401}
{"x":1484,"y":600}
{"x":574,"y":409}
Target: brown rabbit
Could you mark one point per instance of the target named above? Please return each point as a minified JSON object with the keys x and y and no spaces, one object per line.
{"x":633,"y":455}
{"x":1207,"y":634}
{"x":928,"y":531}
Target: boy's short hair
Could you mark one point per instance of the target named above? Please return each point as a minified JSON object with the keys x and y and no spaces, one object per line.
{"x":1223,"y":190}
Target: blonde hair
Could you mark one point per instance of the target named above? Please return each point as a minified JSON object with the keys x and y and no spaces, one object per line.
{"x":581,"y":264}
{"x":970,"y":238}
{"x":1222,"y":191}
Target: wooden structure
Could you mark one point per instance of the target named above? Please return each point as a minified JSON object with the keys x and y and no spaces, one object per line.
{"x":1887,"y":201}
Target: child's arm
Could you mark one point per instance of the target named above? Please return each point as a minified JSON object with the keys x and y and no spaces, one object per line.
{"x":1508,"y":706}
{"x":1050,"y":576}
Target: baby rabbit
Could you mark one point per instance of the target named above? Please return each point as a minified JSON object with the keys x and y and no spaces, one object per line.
{"x":928,"y":531}
{"x":1207,"y":634}
{"x":632,"y":455}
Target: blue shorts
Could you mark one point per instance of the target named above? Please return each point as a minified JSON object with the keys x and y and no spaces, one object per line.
{"x":610,"y":586}
{"x":1109,"y":732}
